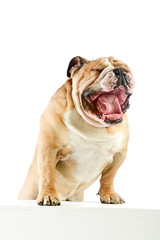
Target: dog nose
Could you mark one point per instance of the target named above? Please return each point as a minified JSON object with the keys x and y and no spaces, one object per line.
{"x":121,"y":77}
{"x":118,"y":71}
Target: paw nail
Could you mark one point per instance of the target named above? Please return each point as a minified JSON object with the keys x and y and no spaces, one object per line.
{"x":47,"y":203}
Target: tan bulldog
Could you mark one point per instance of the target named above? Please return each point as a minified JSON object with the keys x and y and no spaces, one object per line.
{"x":83,"y":134}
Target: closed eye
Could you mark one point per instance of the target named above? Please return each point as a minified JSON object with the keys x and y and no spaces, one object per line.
{"x":95,"y":70}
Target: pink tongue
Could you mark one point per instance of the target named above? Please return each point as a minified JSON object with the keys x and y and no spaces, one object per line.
{"x":108,"y":105}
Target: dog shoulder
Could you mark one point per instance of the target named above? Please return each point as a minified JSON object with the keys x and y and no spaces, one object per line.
{"x":52,"y":119}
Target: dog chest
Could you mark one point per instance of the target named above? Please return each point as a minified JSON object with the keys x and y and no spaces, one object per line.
{"x":91,"y":156}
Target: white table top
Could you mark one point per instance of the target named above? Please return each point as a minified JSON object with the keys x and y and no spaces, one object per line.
{"x":67,"y":204}
{"x":78,"y":220}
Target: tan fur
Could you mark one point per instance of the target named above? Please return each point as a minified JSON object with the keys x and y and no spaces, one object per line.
{"x":51,"y":176}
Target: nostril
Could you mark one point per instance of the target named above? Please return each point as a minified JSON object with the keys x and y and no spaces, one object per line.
{"x":117,"y":71}
{"x":119,"y":74}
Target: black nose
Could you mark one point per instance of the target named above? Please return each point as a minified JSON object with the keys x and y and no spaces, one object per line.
{"x":118,"y":71}
{"x":121,"y":77}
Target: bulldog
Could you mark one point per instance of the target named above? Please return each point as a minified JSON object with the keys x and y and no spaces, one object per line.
{"x":83,"y":134}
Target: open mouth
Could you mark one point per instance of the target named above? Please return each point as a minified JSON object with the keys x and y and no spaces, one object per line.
{"x":102,"y":101}
{"x":107,"y":107}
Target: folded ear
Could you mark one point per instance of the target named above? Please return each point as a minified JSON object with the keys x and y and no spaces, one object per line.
{"x":76,"y":62}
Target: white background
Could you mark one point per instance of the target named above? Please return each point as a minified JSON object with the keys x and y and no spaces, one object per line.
{"x":37,"y":41}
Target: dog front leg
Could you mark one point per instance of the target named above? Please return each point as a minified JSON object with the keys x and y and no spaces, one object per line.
{"x":47,"y":159}
{"x":106,"y":191}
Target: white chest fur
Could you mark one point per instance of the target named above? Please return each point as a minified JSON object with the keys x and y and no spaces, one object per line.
{"x":92,"y":156}
{"x":93,"y":147}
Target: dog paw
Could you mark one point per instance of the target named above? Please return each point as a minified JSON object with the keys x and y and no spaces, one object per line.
{"x":111,"y":198}
{"x":48,"y":200}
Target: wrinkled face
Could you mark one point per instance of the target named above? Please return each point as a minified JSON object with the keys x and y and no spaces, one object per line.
{"x":101,"y":89}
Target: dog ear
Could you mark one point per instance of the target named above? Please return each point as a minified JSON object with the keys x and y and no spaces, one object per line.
{"x":76,"y":62}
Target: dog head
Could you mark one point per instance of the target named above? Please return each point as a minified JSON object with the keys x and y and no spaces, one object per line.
{"x":101,"y":89}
